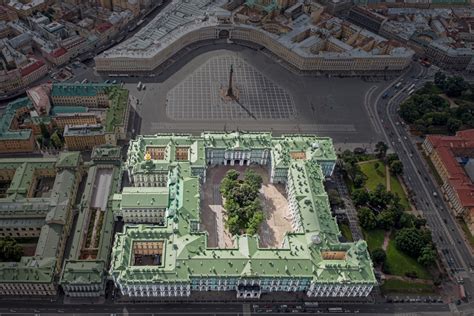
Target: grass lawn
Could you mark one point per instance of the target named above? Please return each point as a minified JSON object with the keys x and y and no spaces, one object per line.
{"x":400,"y":286}
{"x":374,"y":177}
{"x":397,"y":188}
{"x":346,"y":231}
{"x":374,"y":238}
{"x":400,"y":263}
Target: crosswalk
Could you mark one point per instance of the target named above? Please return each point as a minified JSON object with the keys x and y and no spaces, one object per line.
{"x":246,"y":309}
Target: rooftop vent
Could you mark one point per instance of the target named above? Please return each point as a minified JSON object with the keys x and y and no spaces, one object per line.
{"x":315,"y":239}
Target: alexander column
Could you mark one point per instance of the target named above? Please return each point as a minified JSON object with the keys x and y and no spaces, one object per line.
{"x":230,"y":93}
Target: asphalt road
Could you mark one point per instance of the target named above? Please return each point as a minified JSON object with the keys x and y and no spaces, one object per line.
{"x":447,"y":235}
{"x":246,"y":308}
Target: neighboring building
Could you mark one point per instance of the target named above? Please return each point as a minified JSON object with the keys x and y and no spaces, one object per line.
{"x":76,"y":45}
{"x":112,"y":99}
{"x":58,"y":56}
{"x":89,"y":114}
{"x":85,"y":137}
{"x":39,"y":97}
{"x":74,"y":118}
{"x":33,"y":71}
{"x":319,"y":44}
{"x":26,"y":8}
{"x":443,"y":35}
{"x":412,"y":3}
{"x":366,"y":18}
{"x":453,"y":158}
{"x":18,"y":68}
{"x":37,"y":200}
{"x":171,"y":259}
{"x":7,"y":14}
{"x":13,"y":139}
{"x":85,"y":271}
{"x":105,"y":31}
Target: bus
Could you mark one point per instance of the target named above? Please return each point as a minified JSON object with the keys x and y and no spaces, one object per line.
{"x":425,"y":63}
{"x":411,"y":91}
{"x":335,"y":310}
{"x":311,"y":306}
{"x":462,"y":292}
{"x":411,"y":87}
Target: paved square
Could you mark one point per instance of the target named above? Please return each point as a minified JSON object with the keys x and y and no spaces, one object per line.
{"x":198,"y":96}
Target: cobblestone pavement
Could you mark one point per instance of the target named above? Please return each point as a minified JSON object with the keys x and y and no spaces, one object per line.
{"x":199,"y":96}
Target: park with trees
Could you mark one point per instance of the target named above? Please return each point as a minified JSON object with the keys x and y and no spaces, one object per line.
{"x":443,"y":106}
{"x":244,"y":212}
{"x":399,"y":242}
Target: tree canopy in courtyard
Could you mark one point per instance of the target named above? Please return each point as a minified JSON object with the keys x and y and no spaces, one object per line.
{"x":10,"y":250}
{"x":242,"y":205}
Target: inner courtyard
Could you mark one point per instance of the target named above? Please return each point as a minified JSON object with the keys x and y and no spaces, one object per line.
{"x":273,"y":199}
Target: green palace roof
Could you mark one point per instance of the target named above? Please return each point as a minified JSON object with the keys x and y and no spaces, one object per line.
{"x":304,"y":254}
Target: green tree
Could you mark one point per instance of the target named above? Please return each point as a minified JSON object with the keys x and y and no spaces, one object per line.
{"x":420,"y":222}
{"x":378,"y":256}
{"x":396,"y":168}
{"x":39,"y":139}
{"x":44,"y":131}
{"x":453,"y":125}
{"x":376,"y":165}
{"x":10,"y":250}
{"x":391,"y":158}
{"x":440,"y":80}
{"x":427,"y":256}
{"x":334,"y":198}
{"x":367,"y":219}
{"x":232,"y":224}
{"x":406,"y":220}
{"x":381,"y":149}
{"x":359,"y":180}
{"x":360,"y":197}
{"x":242,"y":205}
{"x":229,"y":182}
{"x":386,"y":219}
{"x":411,"y":241}
{"x":351,"y":168}
{"x":56,"y":140}
{"x":380,"y":198}
{"x":254,"y":223}
{"x":253,"y":179}
{"x":455,"y":86}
